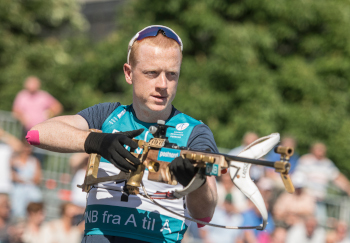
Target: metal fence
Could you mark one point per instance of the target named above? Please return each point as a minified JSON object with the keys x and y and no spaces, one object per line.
{"x":10,"y":124}
{"x":56,"y":175}
{"x":56,"y":179}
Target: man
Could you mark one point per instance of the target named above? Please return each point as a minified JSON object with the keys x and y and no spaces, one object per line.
{"x":256,"y":171}
{"x":9,"y":145}
{"x":153,"y":69}
{"x":33,"y":232}
{"x":290,"y":209}
{"x":273,"y":156}
{"x":248,"y":138}
{"x":32,"y":105}
{"x":319,"y":172}
{"x":63,"y":230}
{"x":5,"y":212}
{"x":307,"y":231}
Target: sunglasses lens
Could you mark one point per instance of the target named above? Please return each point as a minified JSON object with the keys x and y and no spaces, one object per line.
{"x":153,"y":31}
{"x":172,"y":35}
{"x":148,"y":32}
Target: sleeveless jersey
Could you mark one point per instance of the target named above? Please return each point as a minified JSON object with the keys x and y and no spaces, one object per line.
{"x":138,"y":218}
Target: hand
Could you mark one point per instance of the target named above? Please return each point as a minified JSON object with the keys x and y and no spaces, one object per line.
{"x":110,"y":146}
{"x":183,"y":170}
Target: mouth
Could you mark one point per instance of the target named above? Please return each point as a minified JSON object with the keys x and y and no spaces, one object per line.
{"x":159,"y":98}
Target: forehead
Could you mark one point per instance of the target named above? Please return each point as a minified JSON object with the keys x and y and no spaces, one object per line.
{"x":156,"y":56}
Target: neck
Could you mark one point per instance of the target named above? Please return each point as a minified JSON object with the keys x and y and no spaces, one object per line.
{"x":33,"y":226}
{"x":150,"y":116}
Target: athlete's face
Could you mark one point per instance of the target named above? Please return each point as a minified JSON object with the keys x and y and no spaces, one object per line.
{"x":154,"y":77}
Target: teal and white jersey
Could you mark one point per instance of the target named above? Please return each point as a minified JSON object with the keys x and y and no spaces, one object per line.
{"x":138,"y":218}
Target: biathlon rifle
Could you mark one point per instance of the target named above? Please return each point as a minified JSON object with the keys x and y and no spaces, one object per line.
{"x":208,"y":163}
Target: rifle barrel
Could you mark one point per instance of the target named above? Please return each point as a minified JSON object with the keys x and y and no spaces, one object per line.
{"x":241,"y":159}
{"x":251,"y":161}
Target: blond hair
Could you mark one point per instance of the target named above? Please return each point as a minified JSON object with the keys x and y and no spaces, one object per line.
{"x":159,"y":40}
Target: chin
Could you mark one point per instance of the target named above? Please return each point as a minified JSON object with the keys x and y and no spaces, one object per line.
{"x":155,"y":107}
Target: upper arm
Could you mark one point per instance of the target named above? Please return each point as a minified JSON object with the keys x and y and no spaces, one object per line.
{"x":96,"y":115}
{"x":202,"y":138}
{"x":15,"y":106}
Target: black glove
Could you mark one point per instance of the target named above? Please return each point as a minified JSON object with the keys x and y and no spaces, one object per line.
{"x":183,"y":170}
{"x":110,"y":146}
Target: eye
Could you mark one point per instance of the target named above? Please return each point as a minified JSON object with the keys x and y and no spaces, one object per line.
{"x":173,"y":74}
{"x":151,"y":73}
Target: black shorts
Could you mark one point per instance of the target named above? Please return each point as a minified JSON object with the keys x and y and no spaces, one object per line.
{"x":108,"y":239}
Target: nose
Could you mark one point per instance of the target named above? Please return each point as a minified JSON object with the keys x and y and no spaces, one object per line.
{"x":162,"y":81}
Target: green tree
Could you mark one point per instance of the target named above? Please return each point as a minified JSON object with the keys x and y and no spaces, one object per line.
{"x":30,"y":44}
{"x":265,"y":66}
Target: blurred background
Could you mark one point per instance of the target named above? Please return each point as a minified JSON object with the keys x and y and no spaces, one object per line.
{"x":250,"y":68}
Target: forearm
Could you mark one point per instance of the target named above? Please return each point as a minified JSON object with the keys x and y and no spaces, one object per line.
{"x":62,"y":135}
{"x":56,"y":109}
{"x":19,"y":116}
{"x":202,"y":202}
{"x":343,"y":183}
{"x":11,"y":140}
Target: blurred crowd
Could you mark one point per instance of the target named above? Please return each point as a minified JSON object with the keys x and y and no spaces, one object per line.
{"x":300,"y":217}
{"x":22,"y":207}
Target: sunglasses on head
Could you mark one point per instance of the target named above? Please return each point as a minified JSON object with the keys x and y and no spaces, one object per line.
{"x":153,"y":30}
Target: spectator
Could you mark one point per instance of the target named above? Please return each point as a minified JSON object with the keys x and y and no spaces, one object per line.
{"x":266,"y":187}
{"x":279,"y":235}
{"x":252,"y":217}
{"x":286,"y":142}
{"x":15,"y":232}
{"x":78,"y":163}
{"x":4,"y":216}
{"x":306,"y":232}
{"x":26,"y":175}
{"x":256,"y":171}
{"x":342,"y":232}
{"x":290,"y":209}
{"x":331,"y":237}
{"x":8,"y":145}
{"x":248,"y":138}
{"x":272,"y":156}
{"x":33,"y":232}
{"x":224,"y":215}
{"x":33,"y":106}
{"x":226,"y":186}
{"x":319,"y":171}
{"x":62,"y":230}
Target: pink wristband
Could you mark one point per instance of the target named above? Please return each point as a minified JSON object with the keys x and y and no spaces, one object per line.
{"x":33,"y":137}
{"x":206,"y":219}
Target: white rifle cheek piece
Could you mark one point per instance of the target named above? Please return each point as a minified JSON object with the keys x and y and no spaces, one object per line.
{"x":239,"y":172}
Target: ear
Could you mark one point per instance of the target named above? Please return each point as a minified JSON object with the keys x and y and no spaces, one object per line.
{"x":127,"y":73}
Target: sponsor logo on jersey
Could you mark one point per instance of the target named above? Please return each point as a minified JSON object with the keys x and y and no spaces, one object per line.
{"x":167,"y":154}
{"x":121,"y":114}
{"x":115,"y":119}
{"x":182,"y":126}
